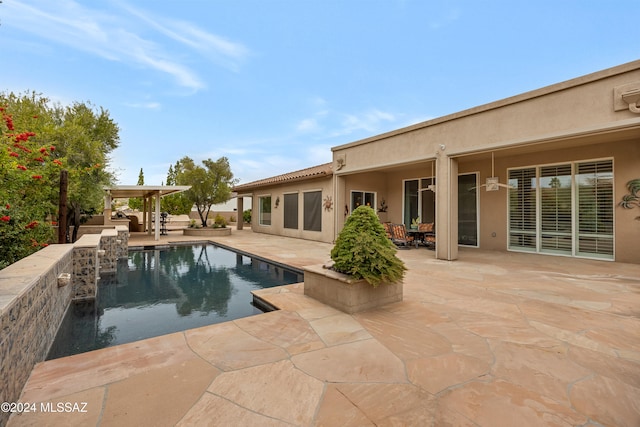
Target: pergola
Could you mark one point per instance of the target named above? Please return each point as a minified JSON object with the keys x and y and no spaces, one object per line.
{"x":147,"y":193}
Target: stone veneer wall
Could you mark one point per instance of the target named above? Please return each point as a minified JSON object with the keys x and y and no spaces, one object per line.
{"x":32,"y":305}
{"x":86,"y":266}
{"x":31,"y":309}
{"x":122,"y":242}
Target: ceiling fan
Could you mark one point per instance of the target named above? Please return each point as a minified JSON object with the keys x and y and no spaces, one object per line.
{"x":492,"y":183}
{"x":432,"y":185}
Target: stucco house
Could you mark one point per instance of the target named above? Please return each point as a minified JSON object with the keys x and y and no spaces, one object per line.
{"x":541,"y":172}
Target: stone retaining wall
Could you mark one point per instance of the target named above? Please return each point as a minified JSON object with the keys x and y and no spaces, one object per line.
{"x":33,"y":300}
{"x":31,"y":309}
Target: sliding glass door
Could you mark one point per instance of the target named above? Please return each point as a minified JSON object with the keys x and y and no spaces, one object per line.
{"x":420,"y":202}
{"x":562,"y":209}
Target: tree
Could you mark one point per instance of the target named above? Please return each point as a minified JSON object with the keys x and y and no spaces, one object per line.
{"x":39,"y":139}
{"x":85,"y":136}
{"x":210,"y":184}
{"x":175,"y":204}
{"x":135,"y":203}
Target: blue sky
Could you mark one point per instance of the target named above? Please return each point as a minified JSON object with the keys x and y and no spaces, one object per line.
{"x":272,"y":85}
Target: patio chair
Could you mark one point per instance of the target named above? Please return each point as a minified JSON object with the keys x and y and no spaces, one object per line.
{"x":387,"y":229}
{"x":427,"y":234}
{"x":400,"y":237}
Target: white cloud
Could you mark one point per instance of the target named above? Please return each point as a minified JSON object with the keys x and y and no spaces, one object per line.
{"x":145,"y":105}
{"x":369,"y":121}
{"x":308,"y":125}
{"x":215,"y":47}
{"x":119,"y":37}
{"x":318,"y":154}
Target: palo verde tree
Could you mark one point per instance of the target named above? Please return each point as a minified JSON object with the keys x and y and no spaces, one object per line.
{"x":38,"y":140}
{"x":210,"y":184}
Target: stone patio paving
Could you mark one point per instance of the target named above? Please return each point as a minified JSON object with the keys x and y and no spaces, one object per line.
{"x":493,"y":339}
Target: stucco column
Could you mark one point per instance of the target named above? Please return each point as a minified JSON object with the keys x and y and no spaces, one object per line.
{"x":106,"y":213}
{"x":157,"y":231}
{"x":339,"y":204}
{"x":446,"y":207}
{"x":240,"y":219}
{"x":149,"y":200}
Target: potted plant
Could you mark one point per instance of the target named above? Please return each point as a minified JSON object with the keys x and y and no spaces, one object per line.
{"x":366,"y":273}
{"x":415,"y":222}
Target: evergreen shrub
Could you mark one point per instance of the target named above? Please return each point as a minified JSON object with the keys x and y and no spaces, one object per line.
{"x":364,"y":251}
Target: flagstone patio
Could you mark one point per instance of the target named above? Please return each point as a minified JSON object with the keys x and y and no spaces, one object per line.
{"x":493,"y":339}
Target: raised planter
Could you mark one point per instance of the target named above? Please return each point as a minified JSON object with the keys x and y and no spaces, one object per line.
{"x":342,"y":292}
{"x":207,"y":232}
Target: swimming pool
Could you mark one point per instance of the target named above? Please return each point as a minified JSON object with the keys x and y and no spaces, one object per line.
{"x":160,"y":291}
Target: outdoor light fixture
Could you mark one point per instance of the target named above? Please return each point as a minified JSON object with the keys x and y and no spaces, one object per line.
{"x":633,"y":99}
{"x":627,"y":97}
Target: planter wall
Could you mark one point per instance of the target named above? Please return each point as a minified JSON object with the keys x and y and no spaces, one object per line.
{"x":342,"y":292}
{"x":209,"y":232}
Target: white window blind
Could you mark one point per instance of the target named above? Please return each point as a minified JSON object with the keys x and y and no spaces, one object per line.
{"x":563,"y":209}
{"x":555,"y":209}
{"x":594,"y":182}
{"x":522,"y":209}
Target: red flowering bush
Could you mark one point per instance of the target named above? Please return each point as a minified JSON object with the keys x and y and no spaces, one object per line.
{"x":27,"y":204}
{"x":37,"y":140}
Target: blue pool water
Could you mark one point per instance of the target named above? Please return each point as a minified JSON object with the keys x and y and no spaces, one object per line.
{"x":160,"y":291}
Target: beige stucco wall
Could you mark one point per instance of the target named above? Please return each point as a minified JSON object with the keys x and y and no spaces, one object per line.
{"x":493,"y":205}
{"x":277,"y":214}
{"x":577,"y":107}
{"x":569,"y":121}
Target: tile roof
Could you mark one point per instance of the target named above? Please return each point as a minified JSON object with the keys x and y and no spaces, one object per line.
{"x":319,"y":171}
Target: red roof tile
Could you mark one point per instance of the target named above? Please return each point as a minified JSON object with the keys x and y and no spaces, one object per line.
{"x":303,"y":174}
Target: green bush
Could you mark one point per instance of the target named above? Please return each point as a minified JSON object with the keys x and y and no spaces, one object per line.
{"x":364,"y":251}
{"x":219,"y":222}
{"x":246,"y":216}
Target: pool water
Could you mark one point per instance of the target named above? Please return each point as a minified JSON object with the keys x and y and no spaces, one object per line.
{"x":161,"y":291}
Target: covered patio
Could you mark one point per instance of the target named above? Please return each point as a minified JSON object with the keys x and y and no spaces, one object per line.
{"x":492,"y":339}
{"x":149,"y":194}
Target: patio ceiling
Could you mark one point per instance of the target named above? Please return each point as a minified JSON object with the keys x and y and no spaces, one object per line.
{"x":144,"y":191}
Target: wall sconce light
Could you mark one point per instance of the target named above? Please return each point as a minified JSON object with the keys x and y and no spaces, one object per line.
{"x":627,"y":97}
{"x":633,"y":99}
{"x":277,"y":201}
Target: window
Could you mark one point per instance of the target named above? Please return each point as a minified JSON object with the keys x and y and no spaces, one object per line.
{"x":555,"y":209}
{"x":594,"y":182}
{"x":313,"y":211}
{"x":291,"y":211}
{"x":419,"y":202}
{"x":362,"y":198}
{"x":265,"y":210}
{"x":563,"y":209}
{"x":522,"y":209}
{"x":468,"y":209}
